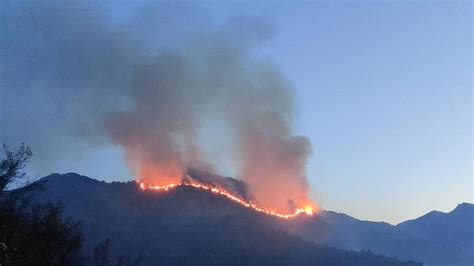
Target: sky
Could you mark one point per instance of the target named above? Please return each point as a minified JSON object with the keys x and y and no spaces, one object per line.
{"x":383,"y":90}
{"x":386,"y":98}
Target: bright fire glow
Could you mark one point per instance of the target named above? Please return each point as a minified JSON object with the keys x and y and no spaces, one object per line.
{"x":308,"y":210}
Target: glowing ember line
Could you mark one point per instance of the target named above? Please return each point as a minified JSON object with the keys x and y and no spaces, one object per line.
{"x":306,"y":210}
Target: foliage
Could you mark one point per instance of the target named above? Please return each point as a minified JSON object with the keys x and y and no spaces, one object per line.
{"x":11,"y":166}
{"x":38,"y":236}
{"x":32,"y":234}
{"x":101,"y":256}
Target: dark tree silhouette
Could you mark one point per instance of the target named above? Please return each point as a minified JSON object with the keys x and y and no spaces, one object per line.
{"x":101,"y":256}
{"x":32,"y":234}
{"x":12,"y":164}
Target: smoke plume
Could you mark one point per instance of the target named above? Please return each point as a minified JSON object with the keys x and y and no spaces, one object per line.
{"x":154,"y":82}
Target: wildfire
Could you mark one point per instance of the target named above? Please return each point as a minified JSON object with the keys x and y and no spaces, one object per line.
{"x":308,"y":210}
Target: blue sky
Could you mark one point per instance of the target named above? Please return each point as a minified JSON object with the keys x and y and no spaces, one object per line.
{"x":382,"y":90}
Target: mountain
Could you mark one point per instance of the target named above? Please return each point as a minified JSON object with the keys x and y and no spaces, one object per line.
{"x":434,"y":239}
{"x":186,"y":226}
{"x":455,"y":229}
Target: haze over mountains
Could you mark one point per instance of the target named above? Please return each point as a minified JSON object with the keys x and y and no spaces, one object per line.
{"x":188,"y":226}
{"x":446,"y":240}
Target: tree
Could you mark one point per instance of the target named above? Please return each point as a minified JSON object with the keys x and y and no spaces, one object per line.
{"x":101,"y":256}
{"x":32,"y":234}
{"x":12,"y":165}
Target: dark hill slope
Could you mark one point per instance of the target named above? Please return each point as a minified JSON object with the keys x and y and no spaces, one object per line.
{"x":440,"y":239}
{"x":185,"y":226}
{"x":454,"y":229}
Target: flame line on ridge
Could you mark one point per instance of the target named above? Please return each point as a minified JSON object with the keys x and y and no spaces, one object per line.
{"x":306,"y":210}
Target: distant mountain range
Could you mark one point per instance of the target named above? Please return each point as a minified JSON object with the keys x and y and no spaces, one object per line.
{"x":186,"y":226}
{"x":455,"y":228}
{"x":435,"y":239}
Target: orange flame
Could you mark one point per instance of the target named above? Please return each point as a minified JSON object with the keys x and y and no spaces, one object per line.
{"x":308,"y":209}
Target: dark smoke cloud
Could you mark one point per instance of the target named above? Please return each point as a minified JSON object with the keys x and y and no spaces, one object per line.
{"x":152,"y":82}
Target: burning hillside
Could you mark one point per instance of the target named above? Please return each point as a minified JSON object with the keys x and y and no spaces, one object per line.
{"x":308,"y":209}
{"x":230,"y":190}
{"x":186,"y":226}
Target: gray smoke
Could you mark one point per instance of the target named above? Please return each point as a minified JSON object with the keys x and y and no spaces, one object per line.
{"x":157,"y":82}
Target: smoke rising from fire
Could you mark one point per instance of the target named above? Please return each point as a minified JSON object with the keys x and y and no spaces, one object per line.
{"x":152,"y":82}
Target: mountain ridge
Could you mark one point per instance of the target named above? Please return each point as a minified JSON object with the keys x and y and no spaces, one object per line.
{"x":462,"y":205}
{"x":84,"y":196}
{"x":186,"y":226}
